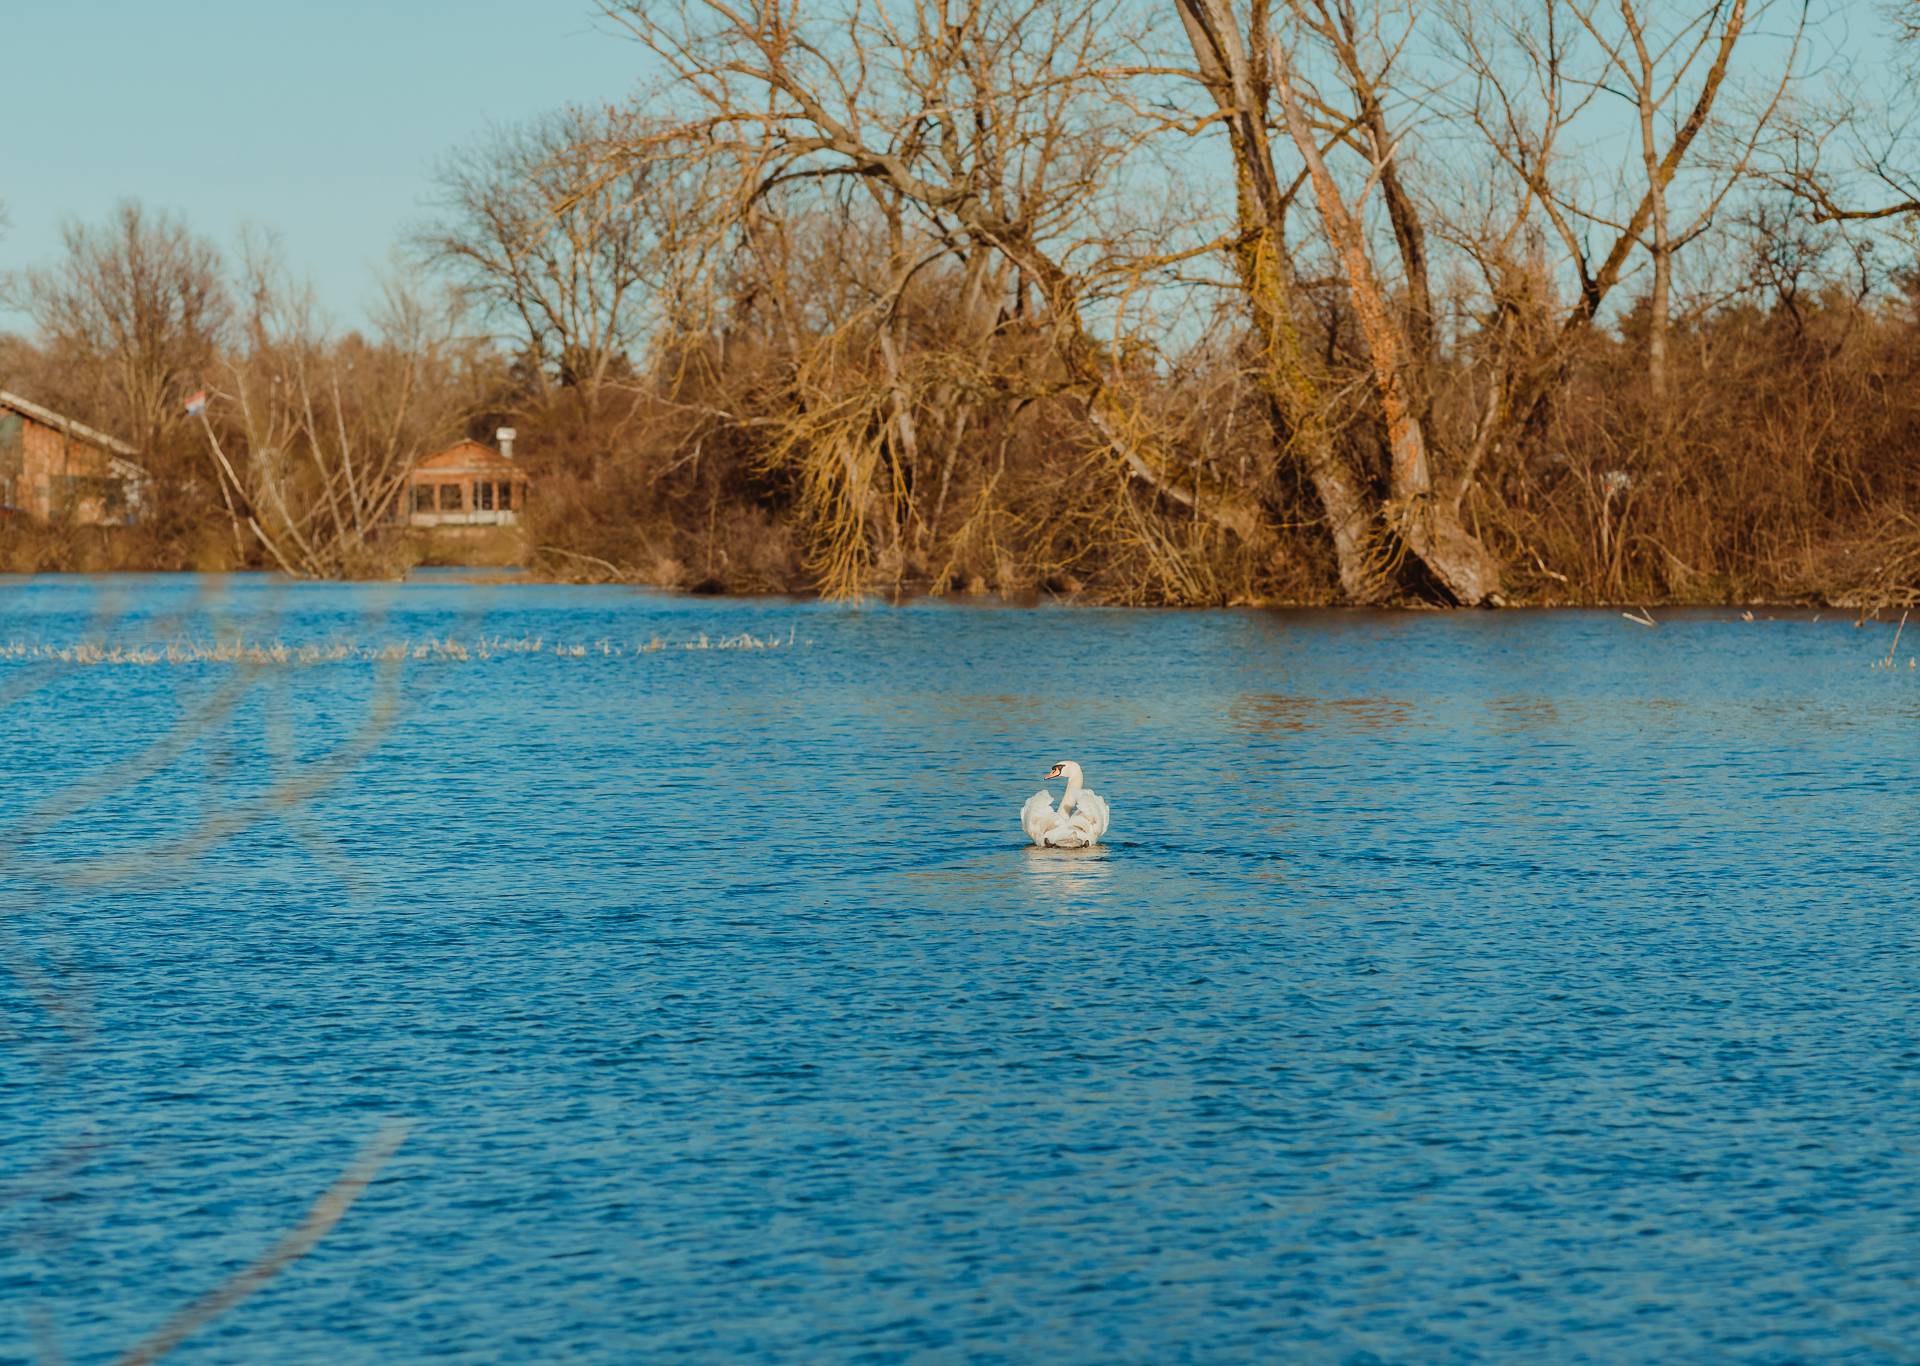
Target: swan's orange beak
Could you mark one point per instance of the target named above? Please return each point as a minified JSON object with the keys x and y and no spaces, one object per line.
{"x":1053,"y":772}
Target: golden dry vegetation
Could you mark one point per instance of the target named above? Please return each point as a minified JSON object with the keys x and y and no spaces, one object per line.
{"x":1304,"y":301}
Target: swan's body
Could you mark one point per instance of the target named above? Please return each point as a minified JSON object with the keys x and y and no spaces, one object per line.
{"x":1080,"y":821}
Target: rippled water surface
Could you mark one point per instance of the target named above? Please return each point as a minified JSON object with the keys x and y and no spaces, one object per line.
{"x":1514,"y":986}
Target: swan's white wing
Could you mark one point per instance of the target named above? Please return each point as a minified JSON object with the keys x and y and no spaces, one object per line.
{"x":1036,"y":817}
{"x":1090,"y":814}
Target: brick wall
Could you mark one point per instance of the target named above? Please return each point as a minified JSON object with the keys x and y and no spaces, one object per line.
{"x":55,"y":477}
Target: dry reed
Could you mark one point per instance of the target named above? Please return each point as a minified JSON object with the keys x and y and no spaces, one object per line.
{"x":238,"y":650}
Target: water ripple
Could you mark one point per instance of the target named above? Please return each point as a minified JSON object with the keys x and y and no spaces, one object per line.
{"x":1454,"y":988}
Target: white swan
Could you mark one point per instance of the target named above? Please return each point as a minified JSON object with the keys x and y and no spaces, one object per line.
{"x":1080,"y":821}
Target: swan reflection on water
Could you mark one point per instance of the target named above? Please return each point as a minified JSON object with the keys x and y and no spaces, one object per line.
{"x":1065,"y":874}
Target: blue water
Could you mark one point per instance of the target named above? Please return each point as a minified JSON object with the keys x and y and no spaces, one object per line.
{"x":1507,"y":986}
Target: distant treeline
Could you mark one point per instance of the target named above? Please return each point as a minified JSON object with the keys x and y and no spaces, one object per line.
{"x":1304,"y":301}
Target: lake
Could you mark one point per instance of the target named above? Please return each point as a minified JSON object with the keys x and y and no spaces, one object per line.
{"x":1453,"y":987}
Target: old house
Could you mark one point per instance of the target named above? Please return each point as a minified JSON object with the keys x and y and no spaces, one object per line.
{"x":466,"y":485}
{"x":58,"y":470}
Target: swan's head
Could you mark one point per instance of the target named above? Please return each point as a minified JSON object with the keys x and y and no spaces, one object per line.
{"x":1066,"y":769}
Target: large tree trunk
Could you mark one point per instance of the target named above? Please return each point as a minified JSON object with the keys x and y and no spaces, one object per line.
{"x":1429,"y":526}
{"x":1288,"y":373}
{"x":1659,"y":309}
{"x":1659,"y":298}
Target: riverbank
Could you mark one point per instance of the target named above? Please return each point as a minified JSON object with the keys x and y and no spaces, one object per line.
{"x":501,"y":575}
{"x":1863,"y":575}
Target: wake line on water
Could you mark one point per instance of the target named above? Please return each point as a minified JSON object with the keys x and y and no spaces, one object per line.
{"x":241,"y":651}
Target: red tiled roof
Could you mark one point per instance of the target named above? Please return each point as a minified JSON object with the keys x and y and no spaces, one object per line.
{"x":467,"y":457}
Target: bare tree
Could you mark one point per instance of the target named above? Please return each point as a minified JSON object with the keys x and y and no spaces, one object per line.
{"x":1254,"y":67}
{"x":325,"y":429}
{"x":1399,"y":341}
{"x":559,"y":229}
{"x":1232,"y":63}
{"x":1654,"y":54}
{"x":1854,"y":157}
{"x":995,"y":125}
{"x":1540,"y":71}
{"x":138,"y":309}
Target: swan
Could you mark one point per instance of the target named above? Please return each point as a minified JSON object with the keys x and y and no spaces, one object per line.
{"x":1080,"y":821}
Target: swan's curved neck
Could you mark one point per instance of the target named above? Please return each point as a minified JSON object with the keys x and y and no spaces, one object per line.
{"x":1073,"y":793}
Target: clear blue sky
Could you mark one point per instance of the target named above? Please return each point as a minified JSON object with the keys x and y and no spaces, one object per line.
{"x":322,"y":121}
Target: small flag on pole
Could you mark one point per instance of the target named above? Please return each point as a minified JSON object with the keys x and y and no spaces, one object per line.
{"x":197,"y":403}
